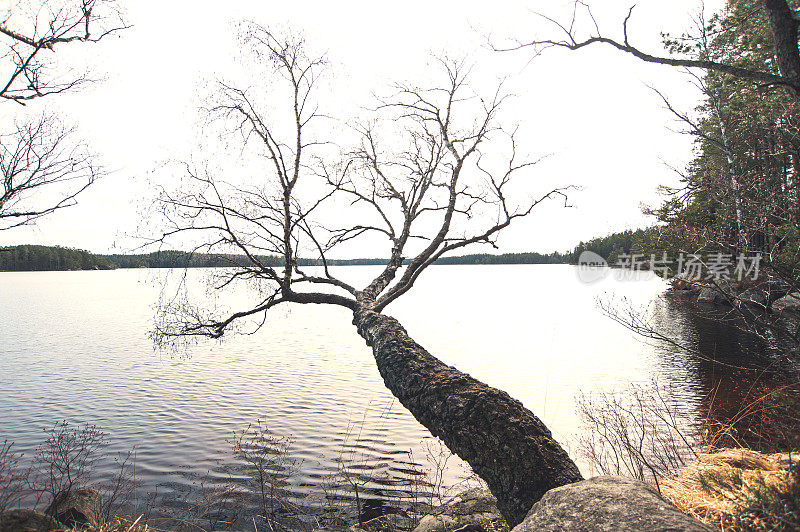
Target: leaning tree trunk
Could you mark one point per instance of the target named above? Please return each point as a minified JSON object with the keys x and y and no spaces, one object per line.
{"x":504,"y":442}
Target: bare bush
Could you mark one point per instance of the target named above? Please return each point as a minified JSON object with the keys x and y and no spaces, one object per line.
{"x":65,"y":460}
{"x":204,"y":505}
{"x":266,"y":456}
{"x":365,"y":488}
{"x":218,"y":505}
{"x":12,"y":477}
{"x":437,"y":475}
{"x":399,"y":491}
{"x":638,"y":433}
{"x":121,"y":490}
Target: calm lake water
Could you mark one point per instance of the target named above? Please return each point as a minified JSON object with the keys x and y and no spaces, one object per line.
{"x":74,"y":346}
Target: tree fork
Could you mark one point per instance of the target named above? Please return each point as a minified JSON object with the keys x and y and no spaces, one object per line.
{"x":504,"y":442}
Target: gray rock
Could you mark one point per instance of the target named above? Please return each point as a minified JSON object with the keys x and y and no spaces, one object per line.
{"x":77,"y":507}
{"x":715,"y":295}
{"x":762,"y":295}
{"x":474,"y":507}
{"x":755,"y":296}
{"x":787,"y":304}
{"x":682,"y":282}
{"x":26,"y":520}
{"x":470,"y":502}
{"x":607,"y":504}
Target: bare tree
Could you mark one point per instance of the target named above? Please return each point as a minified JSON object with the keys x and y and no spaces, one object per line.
{"x":783,"y":24}
{"x":34,"y":31}
{"x":442,"y":182}
{"x":42,"y":168}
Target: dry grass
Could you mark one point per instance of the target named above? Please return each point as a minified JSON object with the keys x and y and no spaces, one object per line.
{"x":116,"y":524}
{"x":738,"y":489}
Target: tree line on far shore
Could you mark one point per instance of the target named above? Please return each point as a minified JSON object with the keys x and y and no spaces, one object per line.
{"x":46,"y":258}
{"x":57,"y":258}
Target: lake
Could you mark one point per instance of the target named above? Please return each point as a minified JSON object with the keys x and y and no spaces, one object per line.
{"x":74,"y":346}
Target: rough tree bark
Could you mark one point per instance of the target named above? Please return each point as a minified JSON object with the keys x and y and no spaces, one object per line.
{"x":784,"y":27}
{"x":504,"y":442}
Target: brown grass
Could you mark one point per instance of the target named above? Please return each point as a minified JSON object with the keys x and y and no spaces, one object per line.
{"x":737,"y":489}
{"x":116,"y":524}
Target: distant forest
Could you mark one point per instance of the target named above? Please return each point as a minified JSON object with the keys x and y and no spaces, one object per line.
{"x":47,"y":258}
{"x":628,"y":242}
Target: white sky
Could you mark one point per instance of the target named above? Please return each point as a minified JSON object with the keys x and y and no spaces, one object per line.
{"x":591,"y":111}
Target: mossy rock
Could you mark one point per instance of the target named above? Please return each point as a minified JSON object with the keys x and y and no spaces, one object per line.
{"x":26,"y":520}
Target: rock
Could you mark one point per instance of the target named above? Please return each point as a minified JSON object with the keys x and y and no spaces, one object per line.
{"x":755,"y":296}
{"x":607,"y":504}
{"x":476,"y":508}
{"x":762,"y":295}
{"x":26,"y":520}
{"x":475,"y":501}
{"x":77,"y":507}
{"x":787,"y":304}
{"x":715,"y":295}
{"x":436,"y":523}
{"x":683,"y":283}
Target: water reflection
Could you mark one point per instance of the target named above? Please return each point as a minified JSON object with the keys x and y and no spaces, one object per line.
{"x":734,"y":374}
{"x":73,"y":345}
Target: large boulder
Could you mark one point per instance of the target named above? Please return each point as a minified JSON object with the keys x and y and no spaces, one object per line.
{"x":718,"y":295}
{"x":607,"y":503}
{"x":77,"y":507}
{"x":25,"y":520}
{"x":474,"y":508}
{"x":762,"y":295}
{"x":684,"y":283}
{"x":787,"y":304}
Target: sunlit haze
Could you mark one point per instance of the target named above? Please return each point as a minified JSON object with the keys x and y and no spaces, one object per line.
{"x":591,"y":113}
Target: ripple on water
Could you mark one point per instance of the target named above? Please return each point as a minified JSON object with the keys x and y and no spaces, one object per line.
{"x":306,"y":373}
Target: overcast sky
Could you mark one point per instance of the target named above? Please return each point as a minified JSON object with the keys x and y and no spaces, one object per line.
{"x":591,"y":112}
